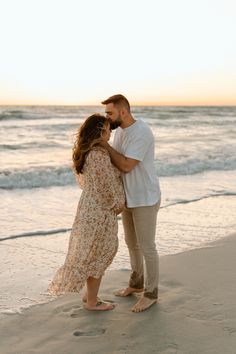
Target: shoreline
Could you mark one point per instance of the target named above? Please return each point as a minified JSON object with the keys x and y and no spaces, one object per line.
{"x":46,"y":233}
{"x":28,"y":264}
{"x":196,"y":313}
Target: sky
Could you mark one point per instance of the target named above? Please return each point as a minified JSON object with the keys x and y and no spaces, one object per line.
{"x":160,"y":52}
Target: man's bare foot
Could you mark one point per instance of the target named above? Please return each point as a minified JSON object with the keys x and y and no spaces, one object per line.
{"x":143,"y":304}
{"x":100,"y":306}
{"x":127,"y":291}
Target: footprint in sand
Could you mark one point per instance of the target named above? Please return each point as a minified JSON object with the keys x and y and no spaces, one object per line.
{"x":75,"y":307}
{"x":230,"y":330}
{"x":96,"y":332}
{"x":61,"y":310}
{"x":171,"y":284}
{"x":76,"y":314}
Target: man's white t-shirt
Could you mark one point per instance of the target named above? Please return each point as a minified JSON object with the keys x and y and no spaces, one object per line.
{"x":141,"y":184}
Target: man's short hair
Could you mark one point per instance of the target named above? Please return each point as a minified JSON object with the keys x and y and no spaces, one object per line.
{"x":118,"y":100}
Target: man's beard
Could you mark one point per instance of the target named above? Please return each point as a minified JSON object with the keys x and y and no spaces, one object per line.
{"x":116,"y":123}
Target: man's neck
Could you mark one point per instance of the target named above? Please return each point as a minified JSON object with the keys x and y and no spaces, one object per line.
{"x":127,"y":121}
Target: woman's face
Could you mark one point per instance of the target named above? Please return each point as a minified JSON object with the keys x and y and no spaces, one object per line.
{"x":106,"y":134}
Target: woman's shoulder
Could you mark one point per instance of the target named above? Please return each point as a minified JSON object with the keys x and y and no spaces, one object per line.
{"x":98,"y":149}
{"x":98,"y":152}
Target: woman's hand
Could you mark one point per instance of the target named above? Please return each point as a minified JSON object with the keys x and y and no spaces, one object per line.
{"x":119,"y":210}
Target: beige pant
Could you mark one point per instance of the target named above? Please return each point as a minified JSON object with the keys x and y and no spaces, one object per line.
{"x":140,"y":229}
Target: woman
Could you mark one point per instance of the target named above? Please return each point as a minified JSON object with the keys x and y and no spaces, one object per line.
{"x":93,"y":242}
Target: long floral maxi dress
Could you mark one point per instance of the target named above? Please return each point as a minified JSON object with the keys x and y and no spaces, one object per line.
{"x":93,"y":241}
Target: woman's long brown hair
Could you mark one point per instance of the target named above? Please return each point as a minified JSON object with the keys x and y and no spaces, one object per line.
{"x":88,"y":135}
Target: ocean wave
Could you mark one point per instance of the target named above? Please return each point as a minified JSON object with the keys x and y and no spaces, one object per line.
{"x":25,"y":116}
{"x":42,"y":177}
{"x":45,"y":113}
{"x":193,"y":166}
{"x":13,"y":115}
{"x":36,"y":177}
{"x":32,"y":145}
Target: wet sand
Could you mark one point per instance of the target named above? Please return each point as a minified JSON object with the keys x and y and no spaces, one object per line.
{"x":196,"y":313}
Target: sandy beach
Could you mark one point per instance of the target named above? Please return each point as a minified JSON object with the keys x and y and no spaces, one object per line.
{"x":196,"y":313}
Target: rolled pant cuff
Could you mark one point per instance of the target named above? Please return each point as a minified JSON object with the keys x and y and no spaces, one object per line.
{"x":151,"y":294}
{"x":136,"y":281}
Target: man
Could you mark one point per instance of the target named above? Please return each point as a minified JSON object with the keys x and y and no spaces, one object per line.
{"x":133,"y":154}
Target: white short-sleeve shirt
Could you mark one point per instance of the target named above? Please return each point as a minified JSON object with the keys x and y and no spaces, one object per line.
{"x":141,"y":184}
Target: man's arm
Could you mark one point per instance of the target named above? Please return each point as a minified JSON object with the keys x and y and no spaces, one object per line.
{"x":123,"y":163}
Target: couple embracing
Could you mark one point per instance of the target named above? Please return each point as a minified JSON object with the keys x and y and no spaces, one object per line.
{"x":115,"y":179}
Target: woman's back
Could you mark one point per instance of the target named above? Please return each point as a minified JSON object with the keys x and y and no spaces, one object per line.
{"x":101,"y":181}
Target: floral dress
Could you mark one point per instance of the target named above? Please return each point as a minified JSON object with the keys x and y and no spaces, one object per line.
{"x":93,"y":241}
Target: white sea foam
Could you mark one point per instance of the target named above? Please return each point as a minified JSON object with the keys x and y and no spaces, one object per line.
{"x":47,"y":176}
{"x":36,"y":177}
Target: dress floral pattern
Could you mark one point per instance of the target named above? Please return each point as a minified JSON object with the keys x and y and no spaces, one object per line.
{"x":93,"y":241}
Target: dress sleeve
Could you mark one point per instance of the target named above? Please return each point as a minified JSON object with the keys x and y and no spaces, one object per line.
{"x":107,"y":185}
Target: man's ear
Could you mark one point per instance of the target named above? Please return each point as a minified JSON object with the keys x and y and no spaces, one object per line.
{"x":122,"y":112}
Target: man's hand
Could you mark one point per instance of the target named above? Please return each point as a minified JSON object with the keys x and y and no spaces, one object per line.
{"x":123,"y":163}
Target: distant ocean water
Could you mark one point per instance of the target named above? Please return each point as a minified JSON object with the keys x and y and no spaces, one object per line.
{"x":35,"y":145}
{"x":195,"y":158}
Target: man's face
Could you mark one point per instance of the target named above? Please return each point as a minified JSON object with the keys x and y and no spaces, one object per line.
{"x":113,"y":113}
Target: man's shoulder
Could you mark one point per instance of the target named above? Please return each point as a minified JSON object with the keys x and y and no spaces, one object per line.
{"x":117,"y":134}
{"x":143,"y":128}
{"x":143,"y":123}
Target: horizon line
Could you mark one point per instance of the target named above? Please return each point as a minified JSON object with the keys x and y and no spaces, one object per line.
{"x":132,"y":104}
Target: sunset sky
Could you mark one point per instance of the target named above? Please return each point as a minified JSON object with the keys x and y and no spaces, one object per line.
{"x":152,"y":51}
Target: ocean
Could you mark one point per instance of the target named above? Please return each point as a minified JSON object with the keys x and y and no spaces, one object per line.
{"x":195,"y":161}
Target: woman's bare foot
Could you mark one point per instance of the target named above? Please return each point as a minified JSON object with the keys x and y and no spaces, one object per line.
{"x":127,"y":291}
{"x":84,"y":298}
{"x":100,"y":306}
